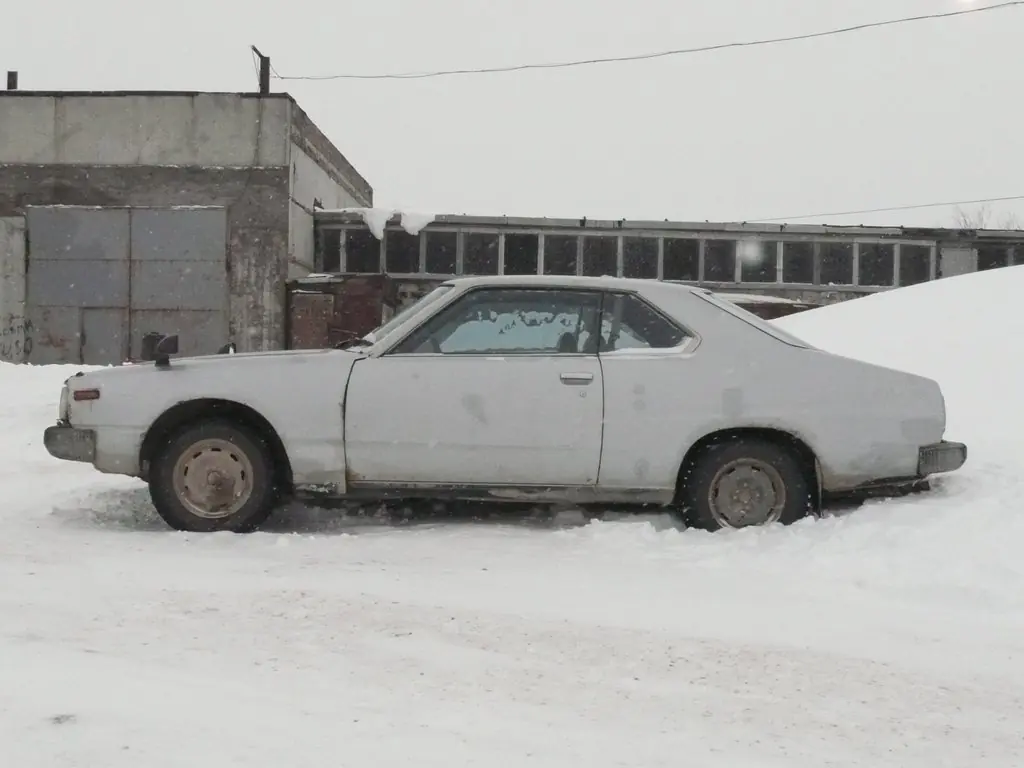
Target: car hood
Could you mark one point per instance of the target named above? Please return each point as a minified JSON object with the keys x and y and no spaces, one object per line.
{"x":239,"y":360}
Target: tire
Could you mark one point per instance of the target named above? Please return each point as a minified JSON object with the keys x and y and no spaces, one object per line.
{"x":238,"y":491}
{"x":744,"y":482}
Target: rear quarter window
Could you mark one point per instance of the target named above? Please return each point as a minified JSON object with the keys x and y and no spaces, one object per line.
{"x":751,"y":319}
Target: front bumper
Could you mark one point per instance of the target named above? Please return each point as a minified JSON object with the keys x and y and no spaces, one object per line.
{"x":70,"y":443}
{"x":940,"y":457}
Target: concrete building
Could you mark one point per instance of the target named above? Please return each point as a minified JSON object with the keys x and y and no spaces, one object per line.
{"x":128,"y":212}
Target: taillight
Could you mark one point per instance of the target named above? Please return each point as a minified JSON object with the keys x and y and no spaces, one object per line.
{"x":85,"y":394}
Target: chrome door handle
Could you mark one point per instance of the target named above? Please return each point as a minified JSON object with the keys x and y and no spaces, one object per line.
{"x":577,"y":378}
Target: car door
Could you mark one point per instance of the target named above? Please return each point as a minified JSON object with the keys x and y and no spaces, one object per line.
{"x":493,"y":390}
{"x":648,"y":371}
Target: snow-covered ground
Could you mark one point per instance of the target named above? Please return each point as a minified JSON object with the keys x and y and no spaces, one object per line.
{"x":889,"y":636}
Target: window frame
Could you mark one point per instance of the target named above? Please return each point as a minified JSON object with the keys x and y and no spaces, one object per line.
{"x":345,"y":263}
{"x":691,"y":339}
{"x":464,"y":236}
{"x":425,"y":235}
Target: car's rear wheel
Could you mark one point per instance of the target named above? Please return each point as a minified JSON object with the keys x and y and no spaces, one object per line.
{"x":214,"y":476}
{"x":745,"y":482}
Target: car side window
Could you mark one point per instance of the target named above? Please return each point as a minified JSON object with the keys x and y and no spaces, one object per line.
{"x":628,"y":322}
{"x":505,"y":321}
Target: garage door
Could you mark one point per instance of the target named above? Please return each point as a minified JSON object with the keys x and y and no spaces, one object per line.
{"x":100,"y":278}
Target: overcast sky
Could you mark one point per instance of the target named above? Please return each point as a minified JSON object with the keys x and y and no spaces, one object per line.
{"x":904,"y":115}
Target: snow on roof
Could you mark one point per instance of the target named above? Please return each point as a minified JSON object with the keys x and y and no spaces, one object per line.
{"x":377,"y":219}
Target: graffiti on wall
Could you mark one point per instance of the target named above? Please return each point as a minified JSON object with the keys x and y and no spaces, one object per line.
{"x":16,"y":340}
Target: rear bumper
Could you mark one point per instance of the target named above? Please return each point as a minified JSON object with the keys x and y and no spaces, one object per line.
{"x":69,"y":443}
{"x":940,"y":457}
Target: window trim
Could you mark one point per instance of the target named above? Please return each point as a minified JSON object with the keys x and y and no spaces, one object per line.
{"x":464,"y":236}
{"x":858,"y":256}
{"x":691,"y":340}
{"x":539,"y":234}
{"x":543,"y":260}
{"x":657,"y":255}
{"x":424,"y":236}
{"x":688,"y":346}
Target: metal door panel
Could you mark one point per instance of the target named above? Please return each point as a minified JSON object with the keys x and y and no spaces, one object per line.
{"x":104,"y":336}
{"x":72,"y":234}
{"x":180,"y":234}
{"x":77,"y":283}
{"x":56,"y":335}
{"x":178,"y":285}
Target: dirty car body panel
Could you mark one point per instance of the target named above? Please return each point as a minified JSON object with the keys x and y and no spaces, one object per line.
{"x":534,"y":388}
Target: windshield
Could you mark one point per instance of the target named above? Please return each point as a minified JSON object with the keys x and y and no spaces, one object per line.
{"x":754,"y":320}
{"x":404,"y":314}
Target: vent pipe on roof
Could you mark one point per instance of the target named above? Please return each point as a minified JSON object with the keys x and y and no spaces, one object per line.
{"x":12,"y":81}
{"x":264,"y":71}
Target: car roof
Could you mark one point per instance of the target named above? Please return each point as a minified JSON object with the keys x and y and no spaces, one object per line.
{"x":567,"y":281}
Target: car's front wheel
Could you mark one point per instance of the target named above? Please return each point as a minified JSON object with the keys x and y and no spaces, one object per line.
{"x":745,"y":482}
{"x":214,"y":476}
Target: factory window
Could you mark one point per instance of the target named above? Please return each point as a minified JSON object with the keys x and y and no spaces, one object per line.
{"x":836,"y":263}
{"x":876,"y":264}
{"x":600,"y":256}
{"x":441,"y":248}
{"x":403,"y":252}
{"x":682,"y":259}
{"x":758,"y":261}
{"x":480,"y":254}
{"x":330,"y":251}
{"x":560,"y":254}
{"x":521,"y":253}
{"x":720,"y":261}
{"x":993,"y":257}
{"x":362,"y":251}
{"x":640,"y":257}
{"x":915,"y":264}
{"x":798,"y":263}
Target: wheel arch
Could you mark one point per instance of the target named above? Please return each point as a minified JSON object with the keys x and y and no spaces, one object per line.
{"x":798,"y":446}
{"x":191,"y":412}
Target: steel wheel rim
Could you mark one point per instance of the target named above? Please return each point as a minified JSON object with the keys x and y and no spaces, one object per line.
{"x":213,"y":479}
{"x":747,"y":492}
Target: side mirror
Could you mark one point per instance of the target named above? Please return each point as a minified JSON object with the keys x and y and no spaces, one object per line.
{"x":168,"y":345}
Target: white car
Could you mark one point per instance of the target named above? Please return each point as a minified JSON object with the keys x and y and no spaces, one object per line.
{"x":548,"y":390}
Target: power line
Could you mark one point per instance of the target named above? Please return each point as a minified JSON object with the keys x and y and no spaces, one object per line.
{"x":894,"y":208}
{"x":660,"y":54}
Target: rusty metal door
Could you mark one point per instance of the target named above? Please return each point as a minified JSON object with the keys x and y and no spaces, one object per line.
{"x":179,"y":277}
{"x":309,"y":319}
